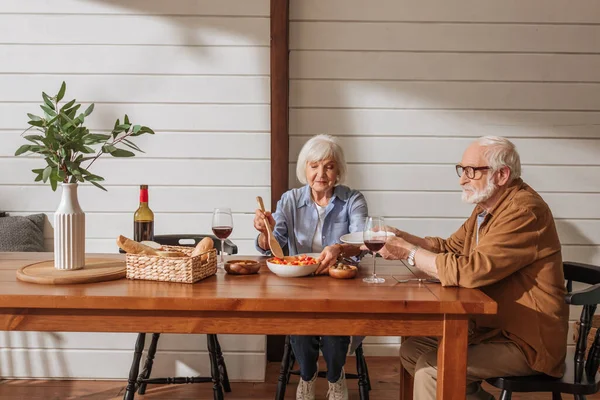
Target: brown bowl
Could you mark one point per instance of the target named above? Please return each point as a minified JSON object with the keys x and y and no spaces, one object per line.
{"x":345,"y":272}
{"x":242,"y":267}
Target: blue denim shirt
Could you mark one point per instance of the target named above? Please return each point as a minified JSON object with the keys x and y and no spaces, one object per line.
{"x":296,"y":219}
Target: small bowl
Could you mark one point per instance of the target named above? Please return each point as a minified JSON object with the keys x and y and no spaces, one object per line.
{"x":293,"y":271}
{"x":349,"y":272}
{"x":242,"y":267}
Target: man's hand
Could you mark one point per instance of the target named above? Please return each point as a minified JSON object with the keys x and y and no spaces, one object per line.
{"x":328,"y":257}
{"x":397,"y":232}
{"x":395,"y":249}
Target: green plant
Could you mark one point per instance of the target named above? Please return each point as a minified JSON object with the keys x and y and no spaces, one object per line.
{"x":66,"y":143}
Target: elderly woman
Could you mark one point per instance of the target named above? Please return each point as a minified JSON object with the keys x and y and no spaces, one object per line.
{"x":312,"y":219}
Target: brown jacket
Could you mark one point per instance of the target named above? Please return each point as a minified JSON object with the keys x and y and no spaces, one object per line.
{"x":518,"y":263}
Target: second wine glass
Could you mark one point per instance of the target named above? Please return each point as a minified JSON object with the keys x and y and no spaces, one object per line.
{"x":222,"y":226}
{"x":374,"y":236}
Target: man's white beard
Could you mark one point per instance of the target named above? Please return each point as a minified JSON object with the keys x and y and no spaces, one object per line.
{"x":475,"y":197}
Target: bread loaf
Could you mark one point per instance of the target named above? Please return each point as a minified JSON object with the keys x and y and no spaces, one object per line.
{"x":202,"y":247}
{"x":133,"y":247}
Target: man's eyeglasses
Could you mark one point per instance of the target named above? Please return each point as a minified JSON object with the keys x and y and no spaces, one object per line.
{"x":469,"y":171}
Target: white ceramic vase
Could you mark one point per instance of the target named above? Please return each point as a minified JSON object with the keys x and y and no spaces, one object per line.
{"x":69,"y":231}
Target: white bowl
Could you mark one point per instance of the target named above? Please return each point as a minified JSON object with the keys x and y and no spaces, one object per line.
{"x":294,"y":271}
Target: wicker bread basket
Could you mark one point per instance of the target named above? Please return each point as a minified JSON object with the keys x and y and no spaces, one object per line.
{"x":172,"y":269}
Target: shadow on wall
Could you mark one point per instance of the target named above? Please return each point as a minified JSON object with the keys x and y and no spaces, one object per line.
{"x":24,"y":354}
{"x":194,"y":29}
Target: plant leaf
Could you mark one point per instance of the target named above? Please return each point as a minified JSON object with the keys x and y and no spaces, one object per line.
{"x":33,"y":138}
{"x":122,"y":153}
{"x":53,"y":182}
{"x":89,"y":110}
{"x":108,"y":148}
{"x":47,"y":100}
{"x":23,"y":149}
{"x":34,"y":117}
{"x":47,"y":172}
{"x":126,"y":120}
{"x":39,"y":123}
{"x":142,"y":130}
{"x":98,"y":185}
{"x":93,"y":178}
{"x":68,"y":105}
{"x":61,"y":92}
{"x":132,"y":145}
{"x":48,"y":110}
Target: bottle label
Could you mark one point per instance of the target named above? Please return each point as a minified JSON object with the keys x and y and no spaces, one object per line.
{"x":143,"y":195}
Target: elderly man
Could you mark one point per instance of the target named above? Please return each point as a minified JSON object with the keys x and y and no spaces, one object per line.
{"x":509,"y":249}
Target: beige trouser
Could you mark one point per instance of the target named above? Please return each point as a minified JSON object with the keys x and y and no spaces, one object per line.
{"x":484,"y":360}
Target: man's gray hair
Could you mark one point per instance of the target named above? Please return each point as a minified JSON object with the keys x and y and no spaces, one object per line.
{"x":501,"y":152}
{"x":318,"y":148}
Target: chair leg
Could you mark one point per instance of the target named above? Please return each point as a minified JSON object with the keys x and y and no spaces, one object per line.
{"x":288,"y":374}
{"x":284,"y":370}
{"x":145,"y":374}
{"x":367,"y":373}
{"x":556,"y":396}
{"x":579,"y":397}
{"x":135,"y":367}
{"x":363,"y":384}
{"x":222,"y":367}
{"x":506,"y":395}
{"x":214,"y":367}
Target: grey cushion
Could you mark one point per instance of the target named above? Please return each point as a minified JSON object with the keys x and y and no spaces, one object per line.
{"x":22,"y":233}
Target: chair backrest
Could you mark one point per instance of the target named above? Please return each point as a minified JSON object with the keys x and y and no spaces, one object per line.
{"x":193,"y":240}
{"x":589,"y":299}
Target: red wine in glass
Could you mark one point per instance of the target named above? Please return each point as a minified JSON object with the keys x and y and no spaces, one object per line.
{"x":374,"y":245}
{"x":222,"y":226}
{"x":223,"y":232}
{"x":374,"y":237}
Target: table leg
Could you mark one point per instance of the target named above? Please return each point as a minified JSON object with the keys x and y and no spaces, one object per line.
{"x":406,"y":384}
{"x":452,"y":358}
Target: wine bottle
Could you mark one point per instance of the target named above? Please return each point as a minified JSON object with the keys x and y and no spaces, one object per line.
{"x":143,"y":219}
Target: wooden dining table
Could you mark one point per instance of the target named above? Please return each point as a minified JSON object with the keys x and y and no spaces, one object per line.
{"x":254,"y":304}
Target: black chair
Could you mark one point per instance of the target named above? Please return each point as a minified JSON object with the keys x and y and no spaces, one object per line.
{"x":581,"y":375}
{"x":287,"y":365}
{"x":218,"y":370}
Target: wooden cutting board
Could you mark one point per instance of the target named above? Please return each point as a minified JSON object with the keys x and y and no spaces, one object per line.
{"x":95,"y":270}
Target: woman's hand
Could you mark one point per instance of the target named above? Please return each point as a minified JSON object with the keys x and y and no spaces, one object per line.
{"x":328,"y":257}
{"x":259,"y":221}
{"x":395,"y":249}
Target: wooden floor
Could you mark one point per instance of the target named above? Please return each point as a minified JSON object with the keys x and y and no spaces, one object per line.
{"x":383,"y":372}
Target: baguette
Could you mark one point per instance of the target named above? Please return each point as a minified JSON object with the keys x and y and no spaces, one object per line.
{"x":133,"y":247}
{"x":202,"y":247}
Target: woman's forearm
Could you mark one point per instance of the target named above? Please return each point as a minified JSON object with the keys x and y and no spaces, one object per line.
{"x":348,"y":250}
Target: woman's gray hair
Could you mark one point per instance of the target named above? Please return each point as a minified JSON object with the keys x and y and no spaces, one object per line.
{"x":501,"y":152}
{"x":318,"y":148}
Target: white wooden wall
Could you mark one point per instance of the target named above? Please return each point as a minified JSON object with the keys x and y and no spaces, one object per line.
{"x":406,"y":85}
{"x":197,"y":72}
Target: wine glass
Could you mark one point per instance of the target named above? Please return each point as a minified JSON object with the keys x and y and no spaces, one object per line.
{"x":374,"y":236}
{"x":222,"y":226}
